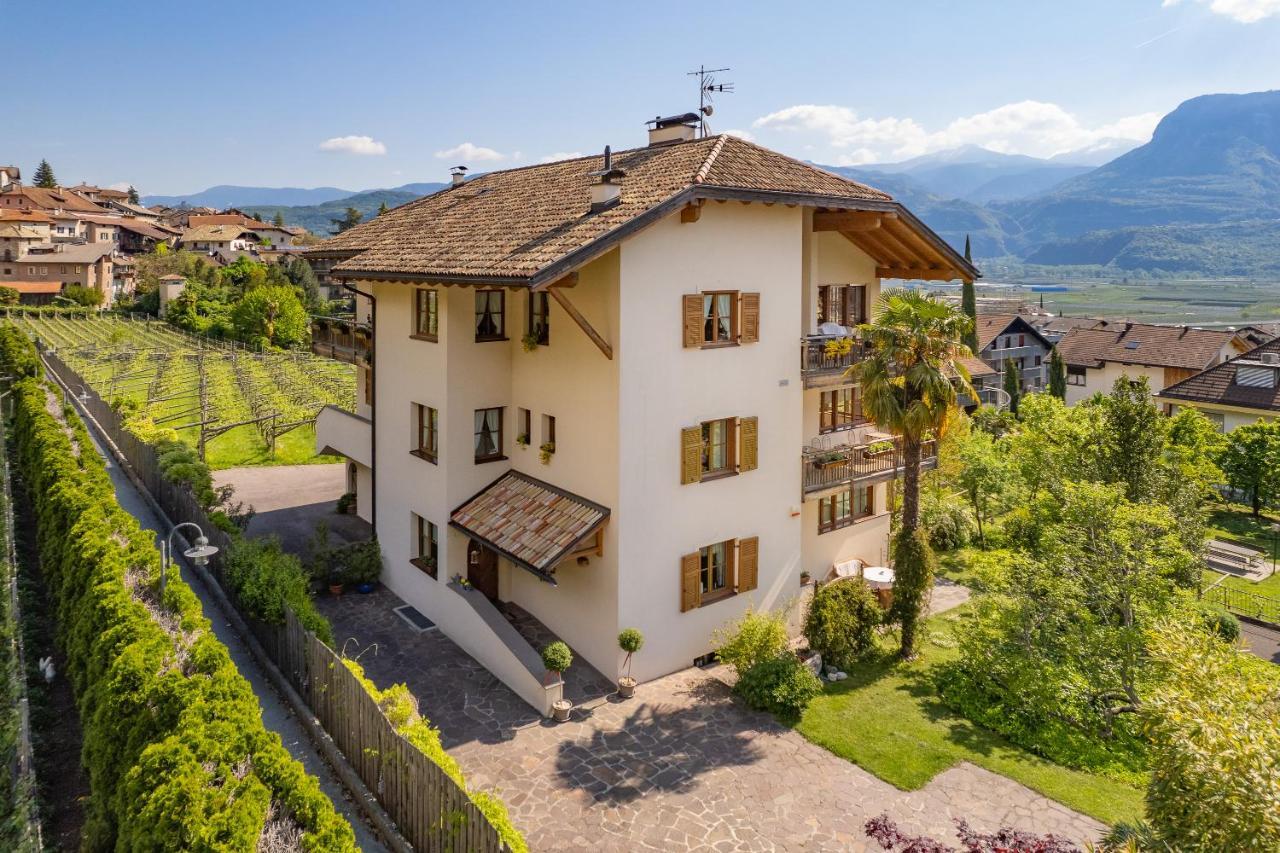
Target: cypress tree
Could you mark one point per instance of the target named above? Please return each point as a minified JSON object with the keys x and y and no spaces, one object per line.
{"x":382,"y":208}
{"x":133,"y":196}
{"x":1012,"y":384}
{"x":1057,"y":375}
{"x":44,"y":176}
{"x":279,"y":220}
{"x":969,"y":304}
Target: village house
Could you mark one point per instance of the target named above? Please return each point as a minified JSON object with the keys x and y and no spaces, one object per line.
{"x":20,"y":230}
{"x":19,"y":197}
{"x":86,"y":264}
{"x":99,"y":195}
{"x":582,"y":365}
{"x":1163,"y":355}
{"x":1241,"y":390}
{"x":217,"y":238}
{"x":9,"y":175}
{"x":1004,"y":337}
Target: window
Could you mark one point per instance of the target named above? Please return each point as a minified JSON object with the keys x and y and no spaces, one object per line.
{"x":845,"y":508}
{"x":1215,"y":418}
{"x":718,"y":456}
{"x":62,"y":270}
{"x":1038,"y":361}
{"x":844,"y":305}
{"x":840,"y":409}
{"x":1022,"y":340}
{"x":490,"y":315}
{"x":489,"y":435}
{"x":426,"y":549}
{"x":549,"y":431}
{"x":426,"y":432}
{"x":1075,"y":375}
{"x":718,"y":317}
{"x":716,"y":569}
{"x":524,"y":426}
{"x":539,"y":318}
{"x":426,"y":315}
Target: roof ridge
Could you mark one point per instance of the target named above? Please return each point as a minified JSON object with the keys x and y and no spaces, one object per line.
{"x":705,"y":169}
{"x":809,"y":164}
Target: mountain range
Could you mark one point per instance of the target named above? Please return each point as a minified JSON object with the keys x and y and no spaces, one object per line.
{"x":1203,"y":196}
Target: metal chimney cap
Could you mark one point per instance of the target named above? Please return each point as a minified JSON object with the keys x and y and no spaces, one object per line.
{"x":668,"y":121}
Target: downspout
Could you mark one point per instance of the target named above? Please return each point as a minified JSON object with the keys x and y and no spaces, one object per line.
{"x":373,"y":402}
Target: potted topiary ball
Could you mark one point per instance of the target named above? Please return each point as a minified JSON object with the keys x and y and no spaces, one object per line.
{"x":630,"y":641}
{"x":556,"y":657}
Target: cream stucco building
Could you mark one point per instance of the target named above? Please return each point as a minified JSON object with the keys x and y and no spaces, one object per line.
{"x":612,"y":391}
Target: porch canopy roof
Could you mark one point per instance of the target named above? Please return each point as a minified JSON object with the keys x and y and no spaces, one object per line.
{"x":530,"y":522}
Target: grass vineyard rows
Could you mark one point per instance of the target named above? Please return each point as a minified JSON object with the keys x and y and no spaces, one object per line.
{"x":161,"y":368}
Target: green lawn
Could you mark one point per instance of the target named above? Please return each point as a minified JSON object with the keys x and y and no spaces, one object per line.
{"x":1234,"y":523}
{"x":887,"y":719}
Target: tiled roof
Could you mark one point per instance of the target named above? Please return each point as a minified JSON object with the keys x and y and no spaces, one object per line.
{"x":537,"y":221}
{"x":213,"y":233}
{"x":1218,"y":384}
{"x":34,"y":286}
{"x":1148,"y":345}
{"x":1065,"y":324}
{"x":44,"y":199}
{"x":992,"y":326}
{"x":9,"y":214}
{"x":70,"y":253}
{"x":532,"y":523}
{"x":21,"y":231}
{"x":977,"y":367}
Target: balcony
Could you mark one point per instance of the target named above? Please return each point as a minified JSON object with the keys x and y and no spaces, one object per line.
{"x":345,"y":434}
{"x":824,"y":359}
{"x":860,"y":463}
{"x":342,"y":339}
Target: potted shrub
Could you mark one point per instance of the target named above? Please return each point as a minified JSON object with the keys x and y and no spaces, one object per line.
{"x":545,"y":452}
{"x":361,"y":564}
{"x":837,"y":347}
{"x":529,"y":342}
{"x":523,"y":440}
{"x":347,"y":503}
{"x":337,"y":579}
{"x":878,"y":448}
{"x":630,"y":641}
{"x":556,"y":658}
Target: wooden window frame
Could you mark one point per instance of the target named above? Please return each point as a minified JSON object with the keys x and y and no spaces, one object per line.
{"x":499,"y":443}
{"x":827,"y":520}
{"x":1082,"y":375}
{"x":714,"y":316}
{"x":423,"y":295}
{"x":426,"y":428}
{"x":832,"y":418}
{"x":539,"y":312}
{"x":501,"y":315}
{"x":846,"y":313}
{"x":730,"y":588}
{"x":524,"y":425}
{"x":730,"y":467}
{"x":426,"y":531}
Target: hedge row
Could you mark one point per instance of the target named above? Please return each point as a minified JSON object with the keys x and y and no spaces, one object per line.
{"x":174,"y":744}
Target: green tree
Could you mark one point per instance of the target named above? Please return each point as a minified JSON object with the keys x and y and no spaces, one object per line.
{"x":9,"y":296}
{"x":1013,"y":384}
{"x":1251,"y":463}
{"x":969,"y":305}
{"x":914,"y":567}
{"x":44,"y":177}
{"x":349,"y":220}
{"x":1214,"y":727}
{"x":87,"y":296}
{"x":270,"y":315}
{"x":302,"y":277}
{"x":278,"y":221}
{"x":133,"y":196}
{"x":1057,"y":375}
{"x":382,"y":208}
{"x":985,"y":475}
{"x":1133,"y":438}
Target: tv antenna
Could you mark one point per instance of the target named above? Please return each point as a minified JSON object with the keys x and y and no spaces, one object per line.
{"x":707,"y":87}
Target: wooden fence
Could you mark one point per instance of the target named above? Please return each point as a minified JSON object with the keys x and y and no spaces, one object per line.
{"x":431,"y":811}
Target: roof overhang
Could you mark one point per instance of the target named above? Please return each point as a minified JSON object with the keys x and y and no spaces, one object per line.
{"x":1215,"y":405}
{"x":915,"y":252}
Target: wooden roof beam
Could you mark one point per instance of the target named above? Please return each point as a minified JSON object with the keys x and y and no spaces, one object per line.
{"x":924,"y":273}
{"x":586,"y":327}
{"x":850,"y":220}
{"x":873,"y":243}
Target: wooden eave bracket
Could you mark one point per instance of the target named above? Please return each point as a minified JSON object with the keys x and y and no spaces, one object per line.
{"x":691,"y":211}
{"x":558,"y":295}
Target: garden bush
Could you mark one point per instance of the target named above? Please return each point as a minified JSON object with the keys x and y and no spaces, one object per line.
{"x":753,"y":638}
{"x":947,"y":522}
{"x":556,"y":657}
{"x":265,"y":579}
{"x":1218,"y":620}
{"x":18,"y":356}
{"x":174,"y":746}
{"x":781,"y":685}
{"x":841,"y":622}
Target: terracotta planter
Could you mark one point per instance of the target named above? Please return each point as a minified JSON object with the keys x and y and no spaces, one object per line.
{"x":560,"y":710}
{"x":335,"y":589}
{"x":626,"y":687}
{"x":823,"y":465}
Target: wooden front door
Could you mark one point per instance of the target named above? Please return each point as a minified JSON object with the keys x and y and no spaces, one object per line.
{"x":482,"y":569}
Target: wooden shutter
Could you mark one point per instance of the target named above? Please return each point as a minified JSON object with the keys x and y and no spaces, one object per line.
{"x":690,"y":455}
{"x":748,"y":444}
{"x":749,"y":323}
{"x":690,"y":582}
{"x":693,"y":320}
{"x":748,"y":563}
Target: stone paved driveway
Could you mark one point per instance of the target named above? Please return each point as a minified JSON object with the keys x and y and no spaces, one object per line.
{"x":682,"y":766}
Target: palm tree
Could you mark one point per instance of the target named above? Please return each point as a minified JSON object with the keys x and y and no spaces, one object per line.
{"x":910,"y":381}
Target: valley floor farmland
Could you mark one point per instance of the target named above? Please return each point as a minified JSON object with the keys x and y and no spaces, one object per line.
{"x":254,"y":408}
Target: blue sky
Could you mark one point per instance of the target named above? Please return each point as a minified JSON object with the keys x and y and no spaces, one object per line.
{"x":175,"y":97}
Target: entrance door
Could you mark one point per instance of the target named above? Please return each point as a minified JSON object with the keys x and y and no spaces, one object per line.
{"x":482,"y":569}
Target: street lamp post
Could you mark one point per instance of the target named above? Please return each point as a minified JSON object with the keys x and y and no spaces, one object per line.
{"x":198,"y":554}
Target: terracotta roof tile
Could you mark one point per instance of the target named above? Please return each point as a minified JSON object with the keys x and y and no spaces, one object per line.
{"x":1218,"y":383}
{"x":1148,"y":345}
{"x":528,"y":521}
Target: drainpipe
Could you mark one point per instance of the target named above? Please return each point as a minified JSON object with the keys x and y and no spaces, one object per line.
{"x":373,"y":404}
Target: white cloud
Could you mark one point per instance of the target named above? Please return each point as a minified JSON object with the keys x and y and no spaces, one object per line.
{"x":561,"y":155}
{"x":1035,"y":128}
{"x":740,"y":133}
{"x":363,"y":145}
{"x":123,"y":186}
{"x":1244,"y":11}
{"x":466,"y":152}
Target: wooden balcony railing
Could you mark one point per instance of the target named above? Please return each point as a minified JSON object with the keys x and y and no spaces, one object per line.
{"x":828,"y":355}
{"x":341,"y":338}
{"x":823,"y":469}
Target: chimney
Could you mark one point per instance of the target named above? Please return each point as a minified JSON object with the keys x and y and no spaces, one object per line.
{"x":606,"y":184}
{"x":669,"y":129}
{"x":458,"y":174}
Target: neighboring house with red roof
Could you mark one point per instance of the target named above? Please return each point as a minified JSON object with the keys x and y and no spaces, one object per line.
{"x":1164,"y":355}
{"x":1236,"y":392}
{"x":88,"y":265}
{"x":587,"y":399}
{"x":1012,"y":337}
